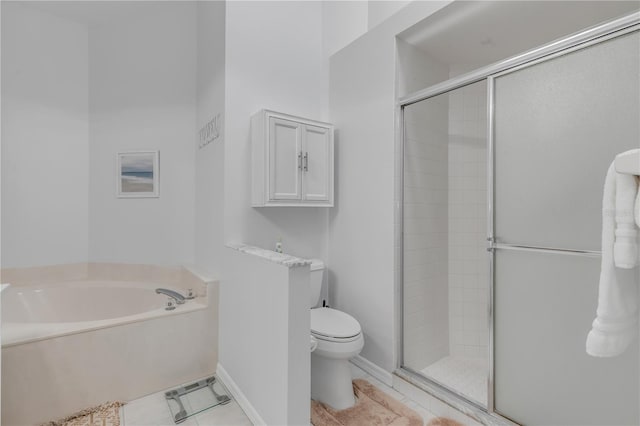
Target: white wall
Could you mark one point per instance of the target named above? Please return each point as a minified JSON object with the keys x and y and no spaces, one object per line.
{"x":142,"y":91}
{"x":361,"y":232}
{"x":76,"y":93}
{"x":281,"y":69}
{"x":44,"y":138}
{"x":379,"y":10}
{"x":264,"y":338}
{"x":209,"y":179}
{"x":345,"y":20}
{"x":342,"y":23}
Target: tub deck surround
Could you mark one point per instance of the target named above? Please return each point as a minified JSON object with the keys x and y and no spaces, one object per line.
{"x":57,"y":300}
{"x":183,"y":277}
{"x":191,"y":277}
{"x":281,"y":258}
{"x":264,"y":334}
{"x":70,"y":345}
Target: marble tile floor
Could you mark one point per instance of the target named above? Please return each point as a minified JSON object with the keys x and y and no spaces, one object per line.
{"x":152,"y":410}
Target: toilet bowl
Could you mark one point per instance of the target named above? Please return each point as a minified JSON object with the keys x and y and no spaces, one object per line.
{"x":338,"y":338}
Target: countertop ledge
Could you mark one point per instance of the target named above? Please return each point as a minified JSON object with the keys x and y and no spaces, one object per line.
{"x":270,"y":255}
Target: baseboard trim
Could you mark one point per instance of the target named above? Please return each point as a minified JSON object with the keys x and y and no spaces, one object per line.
{"x":240,"y":398}
{"x":377,"y":372}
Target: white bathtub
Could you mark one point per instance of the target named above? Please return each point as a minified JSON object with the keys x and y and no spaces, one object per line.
{"x":70,"y":345}
{"x":35,"y":312}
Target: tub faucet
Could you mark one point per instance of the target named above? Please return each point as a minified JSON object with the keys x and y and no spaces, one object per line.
{"x":172,"y":294}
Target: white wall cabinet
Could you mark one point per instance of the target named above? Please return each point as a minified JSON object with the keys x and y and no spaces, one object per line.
{"x":292,"y":161}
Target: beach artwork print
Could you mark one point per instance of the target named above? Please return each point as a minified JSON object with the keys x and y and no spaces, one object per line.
{"x":138,"y":174}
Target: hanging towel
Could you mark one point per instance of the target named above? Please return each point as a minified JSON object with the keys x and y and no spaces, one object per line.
{"x":615,"y":326}
{"x":625,"y":248}
{"x":638,"y":203}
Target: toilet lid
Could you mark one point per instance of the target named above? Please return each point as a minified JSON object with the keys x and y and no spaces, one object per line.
{"x":333,"y":323}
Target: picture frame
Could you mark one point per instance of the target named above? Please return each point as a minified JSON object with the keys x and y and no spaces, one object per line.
{"x":138,"y":174}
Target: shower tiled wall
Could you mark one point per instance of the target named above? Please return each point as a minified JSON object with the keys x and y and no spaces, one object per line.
{"x":426,"y":328}
{"x":467,"y":192}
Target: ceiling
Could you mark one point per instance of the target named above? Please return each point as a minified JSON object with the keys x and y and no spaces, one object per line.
{"x":469,"y":34}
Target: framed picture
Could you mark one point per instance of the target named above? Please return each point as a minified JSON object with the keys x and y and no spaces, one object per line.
{"x":138,"y":174}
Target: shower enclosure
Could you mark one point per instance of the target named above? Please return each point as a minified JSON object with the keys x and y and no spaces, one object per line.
{"x":503,"y":170}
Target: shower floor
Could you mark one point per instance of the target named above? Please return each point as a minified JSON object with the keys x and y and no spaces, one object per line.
{"x":467,"y":376}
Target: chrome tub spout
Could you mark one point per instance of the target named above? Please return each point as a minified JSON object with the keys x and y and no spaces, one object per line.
{"x":173,"y":294}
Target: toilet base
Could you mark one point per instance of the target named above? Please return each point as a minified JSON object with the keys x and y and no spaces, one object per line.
{"x":331,"y":382}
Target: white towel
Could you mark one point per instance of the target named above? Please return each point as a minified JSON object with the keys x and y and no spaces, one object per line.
{"x":638,"y":204}
{"x":625,"y":248}
{"x":615,"y":326}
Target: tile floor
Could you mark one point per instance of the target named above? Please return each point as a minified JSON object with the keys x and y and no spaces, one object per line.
{"x":152,"y":410}
{"x":466,"y":375}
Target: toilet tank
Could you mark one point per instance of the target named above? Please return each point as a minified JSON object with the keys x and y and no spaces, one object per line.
{"x":315,"y":278}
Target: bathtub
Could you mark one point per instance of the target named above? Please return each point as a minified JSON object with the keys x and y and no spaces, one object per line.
{"x":35,"y":312}
{"x":70,"y":345}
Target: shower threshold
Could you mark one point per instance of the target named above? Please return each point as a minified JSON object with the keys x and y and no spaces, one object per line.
{"x":196,"y":397}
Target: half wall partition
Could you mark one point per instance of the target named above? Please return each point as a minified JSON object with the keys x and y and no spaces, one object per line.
{"x":502,"y":179}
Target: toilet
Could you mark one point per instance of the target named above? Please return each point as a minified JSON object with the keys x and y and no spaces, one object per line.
{"x":337,"y":337}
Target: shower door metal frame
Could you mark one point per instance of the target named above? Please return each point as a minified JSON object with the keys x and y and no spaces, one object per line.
{"x":578,"y":41}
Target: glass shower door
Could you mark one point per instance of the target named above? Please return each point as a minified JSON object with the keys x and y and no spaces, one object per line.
{"x":557,"y":126}
{"x":445,"y":262}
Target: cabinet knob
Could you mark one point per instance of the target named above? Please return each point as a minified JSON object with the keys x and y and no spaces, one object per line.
{"x":306,"y":161}
{"x":300,"y":161}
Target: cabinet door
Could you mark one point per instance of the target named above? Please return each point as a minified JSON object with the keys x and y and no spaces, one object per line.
{"x":285,"y":147}
{"x":316,"y":163}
